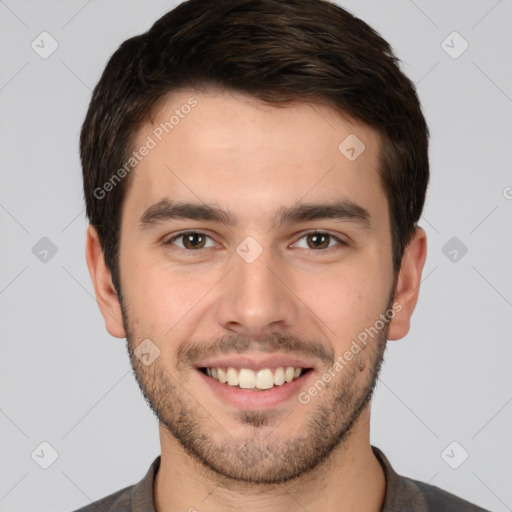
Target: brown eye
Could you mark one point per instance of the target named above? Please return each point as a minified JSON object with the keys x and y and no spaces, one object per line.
{"x":318,"y":240}
{"x":321,"y":241}
{"x":193,"y":240}
{"x":190,"y":240}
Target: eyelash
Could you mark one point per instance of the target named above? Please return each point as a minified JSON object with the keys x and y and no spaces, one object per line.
{"x":194,"y":252}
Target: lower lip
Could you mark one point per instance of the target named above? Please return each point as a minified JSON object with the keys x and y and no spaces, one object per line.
{"x":250,"y":399}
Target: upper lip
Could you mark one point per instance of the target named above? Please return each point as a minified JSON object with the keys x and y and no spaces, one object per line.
{"x":255,"y":362}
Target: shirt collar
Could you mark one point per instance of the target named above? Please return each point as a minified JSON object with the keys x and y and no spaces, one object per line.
{"x":401,"y":492}
{"x":142,"y":498}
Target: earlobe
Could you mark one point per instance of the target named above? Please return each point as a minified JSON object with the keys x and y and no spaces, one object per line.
{"x":408,"y":285}
{"x":105,"y":291}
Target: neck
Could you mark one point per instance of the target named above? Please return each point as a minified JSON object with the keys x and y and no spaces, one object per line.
{"x":350,"y":479}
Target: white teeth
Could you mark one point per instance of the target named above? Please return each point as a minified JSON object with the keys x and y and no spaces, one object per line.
{"x":222,"y":375}
{"x":264,"y":379}
{"x":279,"y":377}
{"x":246,"y":378}
{"x":232,"y":377}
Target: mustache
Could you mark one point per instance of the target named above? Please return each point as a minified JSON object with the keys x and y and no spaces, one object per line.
{"x":275,"y":342}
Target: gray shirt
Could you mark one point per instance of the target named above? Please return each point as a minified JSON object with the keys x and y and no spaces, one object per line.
{"x":402,"y":495}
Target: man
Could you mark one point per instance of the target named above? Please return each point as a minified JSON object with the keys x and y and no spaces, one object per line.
{"x":253,"y":174}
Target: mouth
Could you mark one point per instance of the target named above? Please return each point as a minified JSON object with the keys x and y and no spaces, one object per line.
{"x":254,"y":380}
{"x":253,"y":389}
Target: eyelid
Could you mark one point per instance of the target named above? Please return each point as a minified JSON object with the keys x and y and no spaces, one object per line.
{"x":168,"y":241}
{"x":328,"y":250}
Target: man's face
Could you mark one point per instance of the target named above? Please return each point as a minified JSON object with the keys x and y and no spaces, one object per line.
{"x":262,"y":293}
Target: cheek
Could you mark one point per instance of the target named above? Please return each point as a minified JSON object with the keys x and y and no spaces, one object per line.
{"x":162,"y":298}
{"x":165,"y":304}
{"x":347,"y":299}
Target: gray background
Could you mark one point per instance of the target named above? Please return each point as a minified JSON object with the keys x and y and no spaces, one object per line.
{"x":65,"y":381}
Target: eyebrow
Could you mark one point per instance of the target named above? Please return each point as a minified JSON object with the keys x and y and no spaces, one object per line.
{"x":166,"y":210}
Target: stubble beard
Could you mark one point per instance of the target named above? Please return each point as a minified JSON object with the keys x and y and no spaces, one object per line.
{"x":266,"y":455}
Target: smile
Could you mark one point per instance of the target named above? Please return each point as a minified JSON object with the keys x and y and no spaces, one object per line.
{"x":246,"y":378}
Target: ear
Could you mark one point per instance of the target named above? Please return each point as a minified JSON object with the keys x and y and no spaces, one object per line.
{"x":106,"y":295}
{"x":408,"y":284}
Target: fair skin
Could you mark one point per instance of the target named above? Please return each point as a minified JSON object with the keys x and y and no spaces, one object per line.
{"x":253,"y":159}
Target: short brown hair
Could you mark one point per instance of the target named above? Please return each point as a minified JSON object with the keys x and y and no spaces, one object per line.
{"x":278,"y":51}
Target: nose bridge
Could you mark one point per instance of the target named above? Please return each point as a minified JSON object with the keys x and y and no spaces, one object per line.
{"x":256,"y":297}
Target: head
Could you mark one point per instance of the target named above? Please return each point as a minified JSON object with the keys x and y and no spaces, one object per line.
{"x":272,"y":120}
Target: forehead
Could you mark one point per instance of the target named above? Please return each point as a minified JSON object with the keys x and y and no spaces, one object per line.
{"x":252,"y":158}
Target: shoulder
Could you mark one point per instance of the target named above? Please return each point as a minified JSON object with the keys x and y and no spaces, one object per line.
{"x":118,"y":501}
{"x":440,"y":500}
{"x":407,"y":494}
{"x":139,"y":494}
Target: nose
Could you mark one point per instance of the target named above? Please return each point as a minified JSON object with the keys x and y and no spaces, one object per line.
{"x":258,"y":297}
